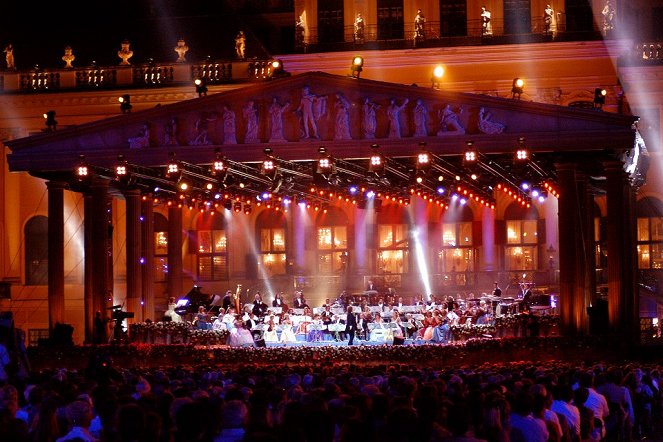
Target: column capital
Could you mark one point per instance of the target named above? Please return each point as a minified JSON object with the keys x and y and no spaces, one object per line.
{"x":56,"y":185}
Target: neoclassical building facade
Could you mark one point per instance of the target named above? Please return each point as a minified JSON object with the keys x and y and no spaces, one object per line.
{"x":73,"y":246}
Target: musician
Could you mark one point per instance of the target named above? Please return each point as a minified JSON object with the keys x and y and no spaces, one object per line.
{"x":381,"y":305}
{"x":370,"y":286}
{"x":396,"y":319}
{"x":300,"y":302}
{"x":432,"y":303}
{"x":399,"y":305}
{"x":497,"y":291}
{"x":278,"y":301}
{"x":171,"y":313}
{"x":287,"y":335}
{"x":250,"y":325}
{"x":327,"y":317}
{"x":259,"y":307}
{"x":420,"y":301}
{"x":228,"y":300}
{"x":229,"y":318}
{"x":201,"y":319}
{"x":217,"y":323}
{"x":315,"y":335}
{"x":270,"y":333}
{"x":379,"y":331}
{"x":350,"y":324}
{"x":338,"y":335}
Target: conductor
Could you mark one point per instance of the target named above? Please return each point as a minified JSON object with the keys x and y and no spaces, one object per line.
{"x":350,"y":324}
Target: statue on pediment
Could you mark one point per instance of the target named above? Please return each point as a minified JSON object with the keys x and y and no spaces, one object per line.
{"x":486,"y":125}
{"x":125,"y":53}
{"x":420,"y":119}
{"x":393,"y":114}
{"x":300,"y":30}
{"x":181,"y":50}
{"x":202,"y":130}
{"x":276,"y":121}
{"x":9,"y":57}
{"x":311,"y":108}
{"x":359,"y":29}
{"x":240,"y":45}
{"x":250,"y":113}
{"x":370,"y":118}
{"x":342,"y":118}
{"x":228,"y":126}
{"x":142,"y":139}
{"x":449,"y":124}
{"x":171,"y":133}
{"x":68,"y":57}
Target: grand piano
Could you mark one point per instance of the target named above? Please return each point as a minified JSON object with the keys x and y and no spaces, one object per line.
{"x":189,"y":303}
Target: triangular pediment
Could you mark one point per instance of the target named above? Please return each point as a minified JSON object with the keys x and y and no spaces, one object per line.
{"x":179,"y":125}
{"x":348,"y":116}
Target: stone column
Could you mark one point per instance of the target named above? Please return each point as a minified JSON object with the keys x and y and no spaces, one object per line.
{"x":99,"y":247}
{"x":133,"y":252}
{"x":623,"y":302}
{"x":147,"y":254}
{"x":488,"y":242}
{"x":568,"y":243}
{"x":88,"y":288}
{"x":55,"y":253}
{"x":174,"y":282}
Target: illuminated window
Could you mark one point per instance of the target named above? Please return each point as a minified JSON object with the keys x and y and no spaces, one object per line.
{"x":211,"y":248}
{"x":272,"y":240}
{"x":522,"y":238}
{"x":392,"y":248}
{"x":36,"y":251}
{"x":455,"y":259}
{"x":650,"y":233}
{"x":457,"y":252}
{"x":332,"y":242}
{"x":160,"y":247}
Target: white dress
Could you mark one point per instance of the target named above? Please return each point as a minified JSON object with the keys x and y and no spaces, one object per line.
{"x":173,"y":315}
{"x":287,"y":334}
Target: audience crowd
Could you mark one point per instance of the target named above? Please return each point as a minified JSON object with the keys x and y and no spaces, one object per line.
{"x":555,"y":401}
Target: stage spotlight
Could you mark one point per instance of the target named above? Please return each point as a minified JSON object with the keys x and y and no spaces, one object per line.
{"x":517,"y":88}
{"x":522,"y":154}
{"x":326,"y":165}
{"x":82,"y":169}
{"x":423,"y":158}
{"x":125,"y":103}
{"x":201,"y":87}
{"x":377,"y":162}
{"x":357,"y":66}
{"x":268,"y":167}
{"x":599,"y":98}
{"x":237,"y":207}
{"x":276,"y":69}
{"x":471,"y":155}
{"x":51,"y":123}
{"x":438,"y":73}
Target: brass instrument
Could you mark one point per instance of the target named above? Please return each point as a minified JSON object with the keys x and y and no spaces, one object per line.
{"x":238,"y":291}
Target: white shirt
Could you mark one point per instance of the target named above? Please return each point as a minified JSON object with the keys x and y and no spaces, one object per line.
{"x":571,"y":413}
{"x":598,"y":404}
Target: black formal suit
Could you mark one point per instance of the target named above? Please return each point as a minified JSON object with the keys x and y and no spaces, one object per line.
{"x":351,"y":326}
{"x":300,"y":303}
{"x":277,"y":303}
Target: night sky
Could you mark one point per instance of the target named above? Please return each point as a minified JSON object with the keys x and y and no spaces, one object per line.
{"x":95,"y":32}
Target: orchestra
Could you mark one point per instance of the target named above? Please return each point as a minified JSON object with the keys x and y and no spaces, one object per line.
{"x":377,"y":319}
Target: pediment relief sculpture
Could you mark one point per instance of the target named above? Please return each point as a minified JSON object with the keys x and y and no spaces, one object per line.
{"x":142,"y":139}
{"x":449,"y":122}
{"x":201,"y":129}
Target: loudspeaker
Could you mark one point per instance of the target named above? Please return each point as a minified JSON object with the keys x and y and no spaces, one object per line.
{"x":398,"y":341}
{"x":260,"y":343}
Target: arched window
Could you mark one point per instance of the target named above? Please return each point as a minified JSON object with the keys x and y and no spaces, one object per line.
{"x":211,"y":247}
{"x":36,"y":251}
{"x":392,"y":240}
{"x":522,"y":237}
{"x":160,"y":247}
{"x":332,"y":234}
{"x":650,"y":233}
{"x":456,"y":256}
{"x":271,"y":228}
